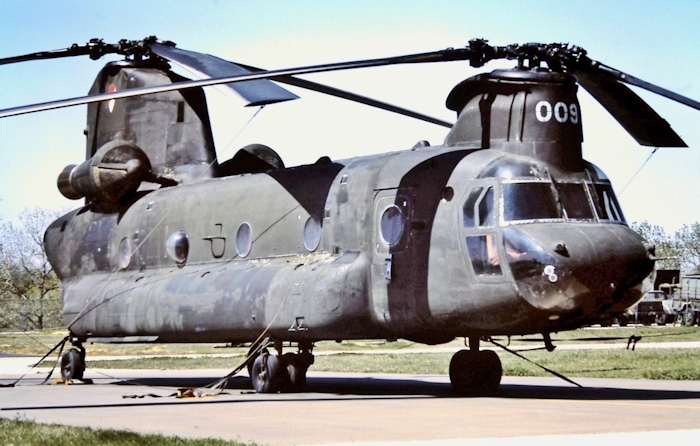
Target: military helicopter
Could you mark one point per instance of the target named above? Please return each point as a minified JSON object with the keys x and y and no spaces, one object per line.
{"x":504,"y":229}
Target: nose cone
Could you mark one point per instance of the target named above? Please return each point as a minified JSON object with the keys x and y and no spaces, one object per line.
{"x":585,"y":271}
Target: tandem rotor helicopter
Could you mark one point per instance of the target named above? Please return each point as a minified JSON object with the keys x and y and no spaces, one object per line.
{"x":504,"y":229}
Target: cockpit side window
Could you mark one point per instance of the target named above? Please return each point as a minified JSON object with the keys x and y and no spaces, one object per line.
{"x":483,"y":253}
{"x":606,"y":203}
{"x":486,"y":209}
{"x":479,"y":223}
{"x":479,"y":209}
{"x":469,"y":209}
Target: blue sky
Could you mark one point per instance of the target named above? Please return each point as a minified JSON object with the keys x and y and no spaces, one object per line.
{"x":656,"y":41}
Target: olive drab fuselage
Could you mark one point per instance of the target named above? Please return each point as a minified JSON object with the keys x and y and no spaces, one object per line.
{"x":504,"y":229}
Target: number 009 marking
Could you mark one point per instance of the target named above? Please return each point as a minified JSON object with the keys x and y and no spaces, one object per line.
{"x":561,"y":112}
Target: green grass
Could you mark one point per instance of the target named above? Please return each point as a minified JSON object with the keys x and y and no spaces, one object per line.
{"x":619,"y":363}
{"x":39,"y":342}
{"x":20,"y":432}
{"x":678,"y":364}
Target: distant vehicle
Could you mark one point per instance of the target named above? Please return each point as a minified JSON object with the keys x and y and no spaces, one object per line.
{"x":686,"y":301}
{"x":674,"y":299}
{"x":655,"y":307}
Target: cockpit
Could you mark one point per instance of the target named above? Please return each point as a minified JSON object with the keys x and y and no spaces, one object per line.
{"x":509,"y":225}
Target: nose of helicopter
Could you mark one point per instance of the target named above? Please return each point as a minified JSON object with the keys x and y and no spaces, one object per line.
{"x":577,"y":269}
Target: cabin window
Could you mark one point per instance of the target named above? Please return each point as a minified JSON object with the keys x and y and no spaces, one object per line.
{"x":574,"y":200}
{"x":312,"y":234}
{"x":391,"y":224}
{"x":125,"y":252}
{"x":178,"y":246}
{"x":529,"y":201}
{"x":244,"y":239}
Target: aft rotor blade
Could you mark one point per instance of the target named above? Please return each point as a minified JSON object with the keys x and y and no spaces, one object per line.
{"x":206,"y":66}
{"x":437,"y":56}
{"x":336,"y":92}
{"x":95,"y":48}
{"x":631,"y":111}
{"x":41,"y":55}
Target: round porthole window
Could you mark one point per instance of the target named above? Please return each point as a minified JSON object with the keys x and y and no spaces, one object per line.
{"x":178,"y":246}
{"x":244,"y":240}
{"x":125,"y":253}
{"x":391,"y":224}
{"x":312,"y":234}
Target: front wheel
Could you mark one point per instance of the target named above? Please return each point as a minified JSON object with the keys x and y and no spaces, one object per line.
{"x":476,"y":372}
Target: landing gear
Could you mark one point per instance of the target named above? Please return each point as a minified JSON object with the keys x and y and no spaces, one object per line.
{"x":266,"y":374}
{"x":474,"y":371}
{"x":73,"y":363}
{"x":274,"y":372}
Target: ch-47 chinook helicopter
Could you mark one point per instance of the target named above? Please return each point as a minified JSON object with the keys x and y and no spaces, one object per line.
{"x":504,"y":229}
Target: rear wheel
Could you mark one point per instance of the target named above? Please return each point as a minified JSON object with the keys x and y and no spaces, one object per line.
{"x":688,"y":318}
{"x":296,"y":371}
{"x":265,"y":373}
{"x":72,"y":364}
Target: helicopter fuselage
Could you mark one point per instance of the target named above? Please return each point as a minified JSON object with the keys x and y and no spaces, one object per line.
{"x":427,"y":244}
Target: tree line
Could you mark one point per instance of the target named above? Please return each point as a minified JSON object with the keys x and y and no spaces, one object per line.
{"x":678,"y":251}
{"x":30,"y":293}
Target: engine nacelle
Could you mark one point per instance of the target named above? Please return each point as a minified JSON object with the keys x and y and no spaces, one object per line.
{"x":116,"y":169}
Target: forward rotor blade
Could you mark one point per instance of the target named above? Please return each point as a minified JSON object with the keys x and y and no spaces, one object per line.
{"x":631,"y":111}
{"x":437,"y":56}
{"x":628,"y":79}
{"x":332,"y":91}
{"x":206,"y":66}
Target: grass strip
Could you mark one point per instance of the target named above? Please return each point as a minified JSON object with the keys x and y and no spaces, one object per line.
{"x":40,"y":341}
{"x":20,"y":432}
{"x":671,"y":364}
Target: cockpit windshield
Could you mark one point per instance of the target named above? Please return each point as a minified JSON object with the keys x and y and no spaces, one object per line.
{"x":528,"y":192}
{"x":529,"y":201}
{"x":544,"y":200}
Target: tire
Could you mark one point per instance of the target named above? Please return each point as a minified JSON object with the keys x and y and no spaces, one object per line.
{"x":688,"y":318}
{"x":72,"y":365}
{"x":296,"y":372}
{"x":251,"y":357}
{"x":265,"y":373}
{"x":660,"y":319}
{"x":489,"y":372}
{"x":477,"y":374}
{"x":461,"y":371}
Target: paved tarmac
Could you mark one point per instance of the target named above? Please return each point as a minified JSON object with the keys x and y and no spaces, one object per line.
{"x":366,"y":409}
